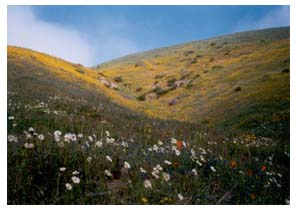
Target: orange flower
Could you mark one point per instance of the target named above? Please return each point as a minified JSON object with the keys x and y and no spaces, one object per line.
{"x":250,"y":172}
{"x":263,"y":168}
{"x":174,"y":164}
{"x":253,"y":196}
{"x":179,"y":145}
{"x":233,"y":163}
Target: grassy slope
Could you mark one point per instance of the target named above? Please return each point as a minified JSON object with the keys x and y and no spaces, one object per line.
{"x":36,"y":76}
{"x":253,"y":170}
{"x":249,"y":61}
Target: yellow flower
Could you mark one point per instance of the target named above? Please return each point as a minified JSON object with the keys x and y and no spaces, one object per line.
{"x":144,"y":200}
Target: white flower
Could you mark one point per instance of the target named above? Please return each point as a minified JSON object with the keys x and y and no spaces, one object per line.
{"x":166,"y":176}
{"x":160,"y":143}
{"x":11,"y":118}
{"x":12,"y":138}
{"x":199,"y":163}
{"x":107,"y":173}
{"x":126,"y":165}
{"x":110,"y":140}
{"x":213,"y":168}
{"x":57,"y":133}
{"x":62,"y":169}
{"x":89,"y":159}
{"x":193,"y":153}
{"x":68,"y":186}
{"x":90,"y":138}
{"x":40,"y":137}
{"x":124,"y":144}
{"x":148,"y":184}
{"x":174,"y":148}
{"x":75,"y":172}
{"x":80,"y":135}
{"x":167,"y":162}
{"x":142,"y":170}
{"x":108,"y":158}
{"x":107,"y":133}
{"x":73,"y":137}
{"x":184,"y":144}
{"x":180,"y":197}
{"x":155,"y":174}
{"x":155,"y":147}
{"x":99,"y":144}
{"x":158,"y":167}
{"x":173,"y":141}
{"x":194,"y":171}
{"x":57,"y":138}
{"x":287,"y":201}
{"x":29,"y":145}
{"x":177,"y":152}
{"x":28,"y":136}
{"x":31,"y":129}
{"x":202,"y":158}
{"x":75,"y":180}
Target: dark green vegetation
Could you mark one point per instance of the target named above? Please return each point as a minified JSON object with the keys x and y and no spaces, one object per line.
{"x":65,"y":115}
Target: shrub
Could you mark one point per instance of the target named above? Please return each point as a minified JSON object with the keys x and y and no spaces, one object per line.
{"x":138,"y":89}
{"x":171,"y":82}
{"x":80,"y":70}
{"x":118,"y":79}
{"x":159,"y":76}
{"x":141,"y":97}
{"x":188,"y":52}
{"x":189,"y":85}
{"x":217,"y":67}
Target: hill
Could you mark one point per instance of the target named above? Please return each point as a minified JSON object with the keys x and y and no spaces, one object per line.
{"x":237,"y":82}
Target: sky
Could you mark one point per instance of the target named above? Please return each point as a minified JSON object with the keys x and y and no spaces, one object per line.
{"x":91,"y":35}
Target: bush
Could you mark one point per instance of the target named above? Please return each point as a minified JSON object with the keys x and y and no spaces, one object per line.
{"x":188,"y":52}
{"x":118,"y":79}
{"x":141,"y":97}
{"x":171,"y":82}
{"x":138,"y":89}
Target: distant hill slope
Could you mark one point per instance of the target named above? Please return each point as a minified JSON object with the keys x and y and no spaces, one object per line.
{"x":239,"y":81}
{"x":36,"y":77}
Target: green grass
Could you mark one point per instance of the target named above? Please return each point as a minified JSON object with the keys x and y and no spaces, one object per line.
{"x":34,"y":176}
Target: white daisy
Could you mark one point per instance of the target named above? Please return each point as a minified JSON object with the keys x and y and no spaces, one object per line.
{"x":148,"y":184}
{"x":75,"y":180}
{"x":126,"y":165}
{"x":108,"y":158}
{"x":166,"y":176}
{"x":180,"y":197}
{"x":62,"y":169}
{"x":68,"y":186}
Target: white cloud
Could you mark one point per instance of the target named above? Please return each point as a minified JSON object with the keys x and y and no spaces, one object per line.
{"x":275,"y":18}
{"x":26,"y":30}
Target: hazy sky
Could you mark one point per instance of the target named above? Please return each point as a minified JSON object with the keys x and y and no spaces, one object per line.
{"x":94,"y":34}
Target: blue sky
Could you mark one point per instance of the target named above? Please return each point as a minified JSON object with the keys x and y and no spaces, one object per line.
{"x":94,"y":34}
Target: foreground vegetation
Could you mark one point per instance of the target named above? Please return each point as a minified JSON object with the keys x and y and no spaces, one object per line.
{"x":54,"y":159}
